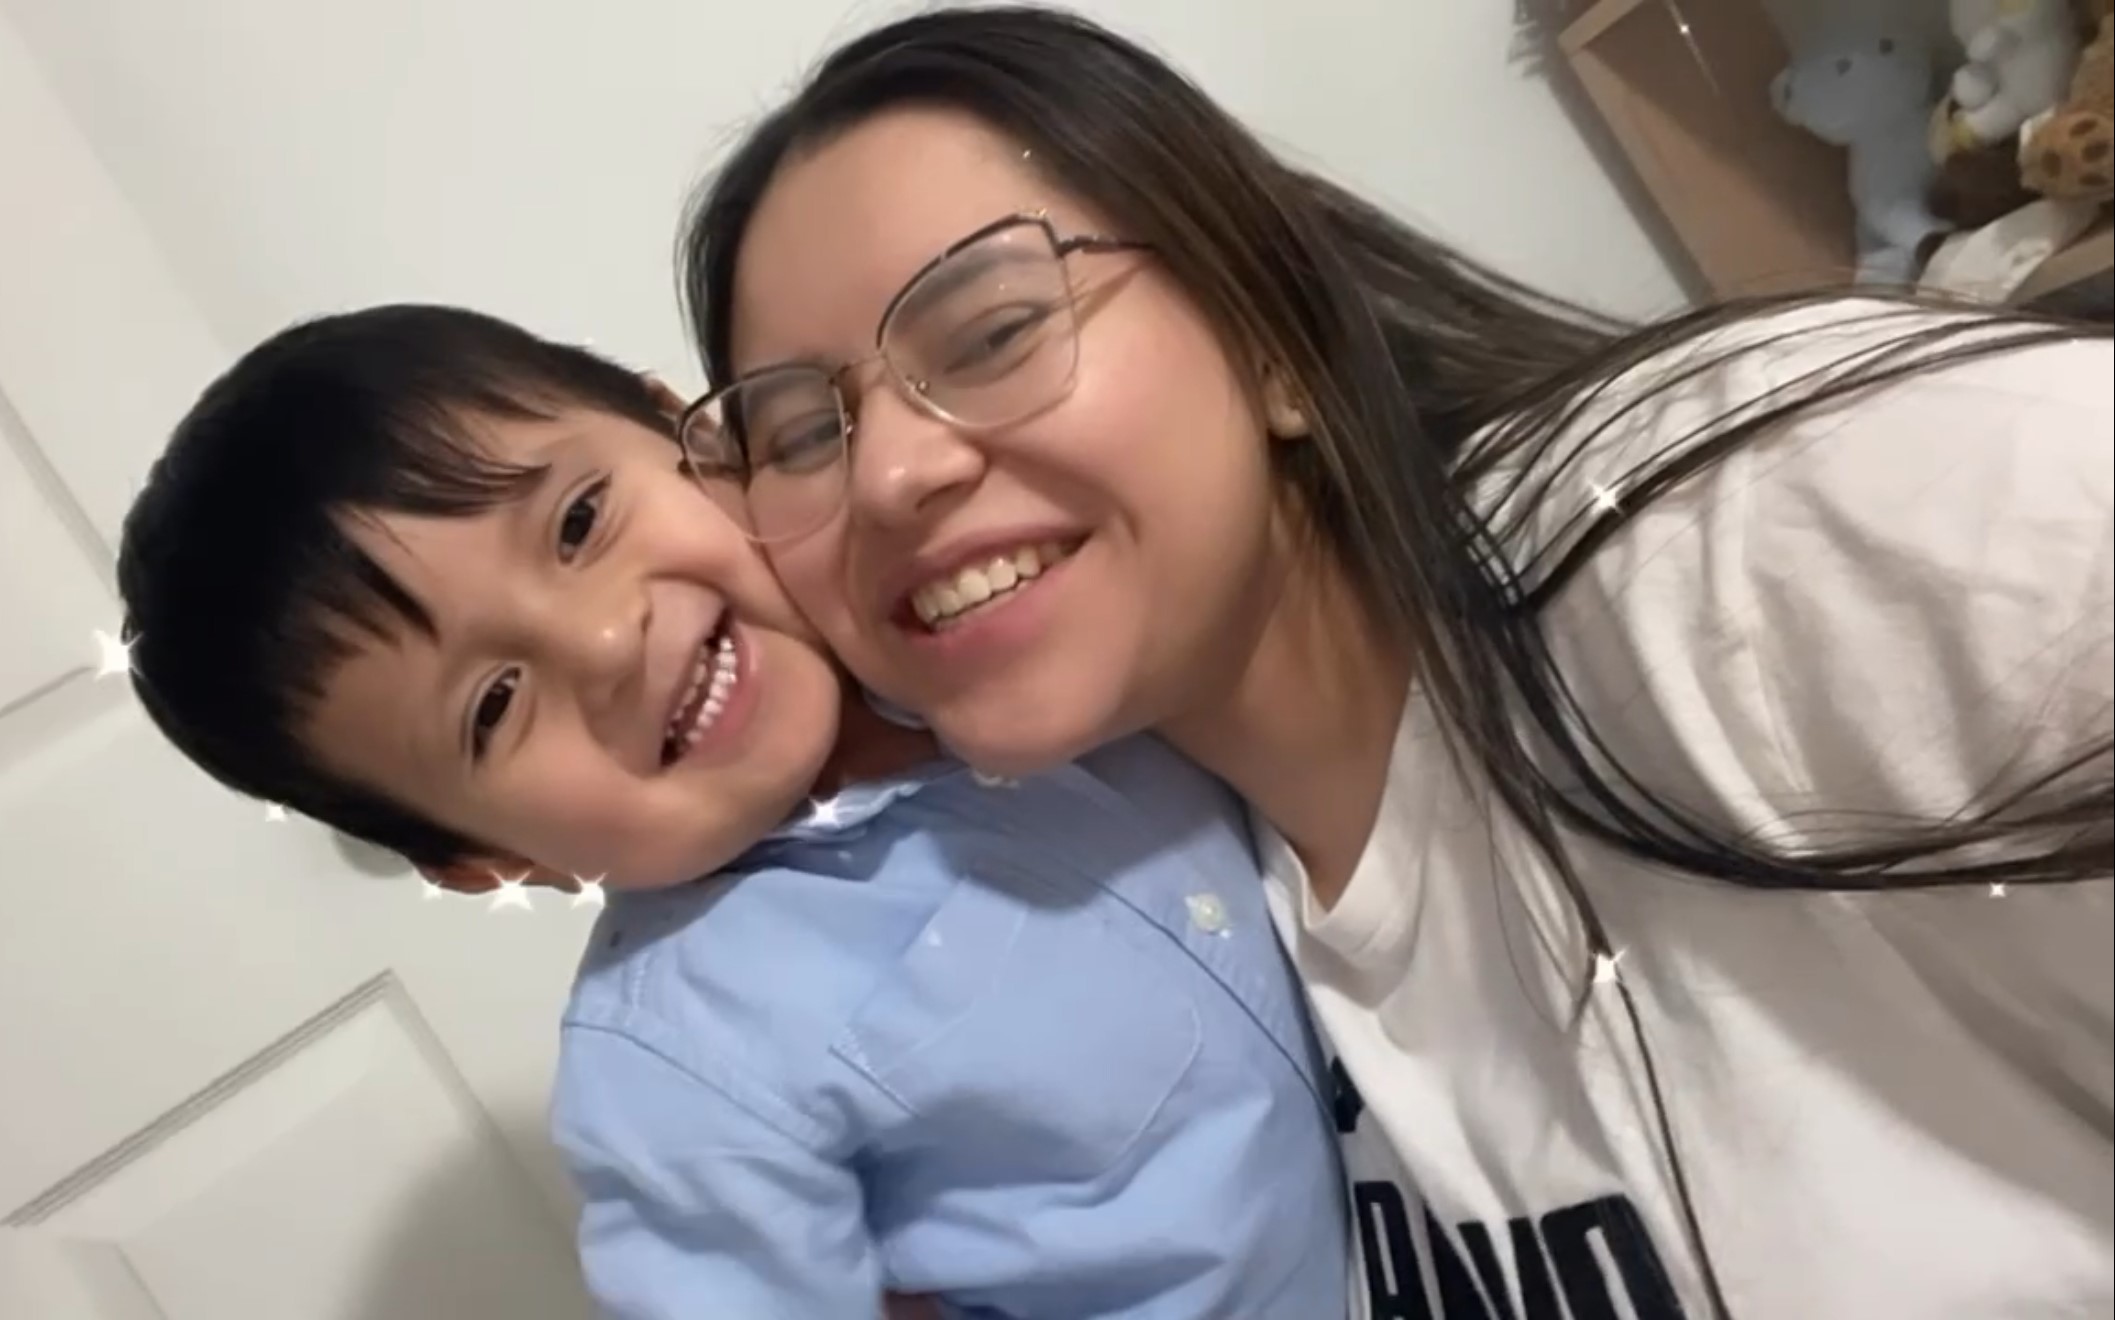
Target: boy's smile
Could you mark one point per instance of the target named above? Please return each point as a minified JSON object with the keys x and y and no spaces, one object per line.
{"x":597,"y":676}
{"x":707,"y":705}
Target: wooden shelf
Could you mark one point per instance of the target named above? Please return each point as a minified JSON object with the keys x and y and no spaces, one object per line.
{"x":1759,"y":205}
{"x":1597,"y":19}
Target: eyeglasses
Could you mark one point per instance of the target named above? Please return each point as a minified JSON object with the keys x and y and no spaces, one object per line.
{"x":985,"y":335}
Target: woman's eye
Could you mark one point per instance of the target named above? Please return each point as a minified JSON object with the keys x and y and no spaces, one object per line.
{"x":491,"y":710}
{"x":577,"y":524}
{"x":996,"y":341}
{"x":807,"y":444}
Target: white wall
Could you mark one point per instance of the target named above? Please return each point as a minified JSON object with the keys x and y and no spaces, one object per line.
{"x":529,"y":156}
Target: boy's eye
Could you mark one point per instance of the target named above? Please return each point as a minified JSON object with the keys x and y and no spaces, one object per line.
{"x":490,"y":710}
{"x":577,"y":523}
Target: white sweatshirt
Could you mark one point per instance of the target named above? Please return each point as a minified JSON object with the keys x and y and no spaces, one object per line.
{"x":1889,"y":1106}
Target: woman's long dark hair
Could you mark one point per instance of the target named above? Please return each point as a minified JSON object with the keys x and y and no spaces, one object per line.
{"x":1424,"y":376}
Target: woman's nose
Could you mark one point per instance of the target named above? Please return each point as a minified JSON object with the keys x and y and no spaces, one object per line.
{"x":905,"y":460}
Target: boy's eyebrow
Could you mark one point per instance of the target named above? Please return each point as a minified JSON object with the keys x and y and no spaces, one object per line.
{"x":521,"y":510}
{"x":537,"y":479}
{"x":524,"y":498}
{"x":522,"y":528}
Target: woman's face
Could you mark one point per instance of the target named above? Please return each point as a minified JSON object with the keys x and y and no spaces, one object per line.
{"x":1119,"y":539}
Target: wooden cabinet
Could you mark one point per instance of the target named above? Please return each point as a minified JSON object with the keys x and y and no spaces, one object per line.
{"x":1757,"y":205}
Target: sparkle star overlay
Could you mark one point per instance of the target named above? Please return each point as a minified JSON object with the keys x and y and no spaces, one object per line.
{"x":113,"y":654}
{"x":513,"y":892}
{"x":1607,"y":968}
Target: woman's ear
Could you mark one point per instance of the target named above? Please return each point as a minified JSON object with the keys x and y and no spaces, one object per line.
{"x":1284,"y":416}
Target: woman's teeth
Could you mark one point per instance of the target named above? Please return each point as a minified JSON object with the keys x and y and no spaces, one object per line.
{"x":712,"y":682}
{"x":944,"y":601}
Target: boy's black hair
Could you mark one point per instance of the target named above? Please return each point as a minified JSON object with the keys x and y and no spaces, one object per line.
{"x":242,"y":589}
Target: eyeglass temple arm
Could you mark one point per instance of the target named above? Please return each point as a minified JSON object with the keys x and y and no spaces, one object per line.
{"x":1097,"y":243}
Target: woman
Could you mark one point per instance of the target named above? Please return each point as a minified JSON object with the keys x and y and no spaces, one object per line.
{"x":1684,"y":750}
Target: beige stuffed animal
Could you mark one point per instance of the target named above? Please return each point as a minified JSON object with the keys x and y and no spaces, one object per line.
{"x":2068,"y":154}
{"x":2021,"y":55}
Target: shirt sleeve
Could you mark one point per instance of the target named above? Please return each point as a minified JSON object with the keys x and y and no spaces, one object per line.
{"x":694,"y":1205}
{"x":1886,"y":611}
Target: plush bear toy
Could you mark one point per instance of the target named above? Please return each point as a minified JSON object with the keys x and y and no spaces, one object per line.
{"x":2067,"y":155}
{"x":2021,"y":54}
{"x":1871,"y":94}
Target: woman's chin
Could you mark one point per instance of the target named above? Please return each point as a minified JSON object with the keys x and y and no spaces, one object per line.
{"x":1016,"y":744}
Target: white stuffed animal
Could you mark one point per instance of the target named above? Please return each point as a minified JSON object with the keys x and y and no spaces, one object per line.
{"x":1872,"y":94}
{"x":2021,"y":55}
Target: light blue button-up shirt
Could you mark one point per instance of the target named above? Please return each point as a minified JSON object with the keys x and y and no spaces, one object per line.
{"x":1031,"y":1048}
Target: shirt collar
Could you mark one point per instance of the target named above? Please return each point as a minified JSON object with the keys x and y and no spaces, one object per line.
{"x":848,"y":811}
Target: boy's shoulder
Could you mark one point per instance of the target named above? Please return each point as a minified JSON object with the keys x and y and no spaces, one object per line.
{"x":789,"y":934}
{"x":1162,"y":780}
{"x":769,"y":959}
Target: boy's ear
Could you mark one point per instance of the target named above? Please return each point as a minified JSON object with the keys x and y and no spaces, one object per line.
{"x":672,"y":404}
{"x":480,"y":875}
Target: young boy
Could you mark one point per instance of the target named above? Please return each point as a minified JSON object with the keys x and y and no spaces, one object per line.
{"x":1029,"y":1048}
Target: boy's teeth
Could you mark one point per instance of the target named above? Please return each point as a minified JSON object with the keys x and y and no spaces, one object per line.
{"x":939,"y":602}
{"x":714,"y":677}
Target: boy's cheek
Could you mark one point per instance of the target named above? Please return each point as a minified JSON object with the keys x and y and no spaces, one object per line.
{"x":808,"y":575}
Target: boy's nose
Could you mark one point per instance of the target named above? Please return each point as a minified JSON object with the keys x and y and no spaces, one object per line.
{"x":607,"y":648}
{"x":599,"y":640}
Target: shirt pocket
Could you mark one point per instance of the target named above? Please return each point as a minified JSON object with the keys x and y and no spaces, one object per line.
{"x":1034,"y":1034}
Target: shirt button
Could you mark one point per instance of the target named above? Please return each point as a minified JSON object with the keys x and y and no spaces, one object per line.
{"x":993,"y":781}
{"x":1208,"y":913}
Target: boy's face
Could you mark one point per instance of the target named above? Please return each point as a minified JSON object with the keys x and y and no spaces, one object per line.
{"x":616,"y":687}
